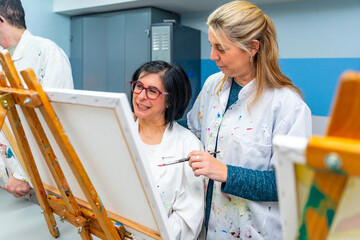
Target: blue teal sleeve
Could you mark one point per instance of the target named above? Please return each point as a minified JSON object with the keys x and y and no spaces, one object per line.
{"x":183,"y":122}
{"x":251,"y":184}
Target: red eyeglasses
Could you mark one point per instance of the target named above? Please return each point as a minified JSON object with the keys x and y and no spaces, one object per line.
{"x":151,"y":92}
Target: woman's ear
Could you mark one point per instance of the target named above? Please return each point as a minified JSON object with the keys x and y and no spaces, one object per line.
{"x":2,"y":19}
{"x":254,"y":47}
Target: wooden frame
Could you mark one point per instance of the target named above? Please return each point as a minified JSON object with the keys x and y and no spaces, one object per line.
{"x":327,"y":169}
{"x":47,"y":142}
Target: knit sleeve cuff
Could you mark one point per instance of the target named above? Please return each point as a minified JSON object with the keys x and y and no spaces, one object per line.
{"x":232,"y":173}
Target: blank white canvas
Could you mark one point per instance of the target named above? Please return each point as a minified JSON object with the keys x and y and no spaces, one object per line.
{"x":101,"y":129}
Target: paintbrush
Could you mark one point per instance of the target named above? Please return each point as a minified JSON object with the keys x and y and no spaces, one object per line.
{"x":181,"y":160}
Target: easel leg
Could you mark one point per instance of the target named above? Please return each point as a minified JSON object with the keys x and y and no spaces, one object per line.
{"x":54,"y":166}
{"x":3,"y":113}
{"x":30,"y":166}
{"x":72,"y":211}
{"x":71,"y":156}
{"x":32,"y":170}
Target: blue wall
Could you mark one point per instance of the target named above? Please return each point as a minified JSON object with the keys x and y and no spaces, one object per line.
{"x":42,"y":21}
{"x":318,"y":41}
{"x":316,"y":77}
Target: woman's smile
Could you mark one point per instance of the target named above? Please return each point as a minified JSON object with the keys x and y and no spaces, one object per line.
{"x":142,"y":107}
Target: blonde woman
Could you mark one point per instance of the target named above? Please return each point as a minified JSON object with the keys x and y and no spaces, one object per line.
{"x":238,"y":112}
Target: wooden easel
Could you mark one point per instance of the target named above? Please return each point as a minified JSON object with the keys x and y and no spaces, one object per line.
{"x":97,"y":222}
{"x":335,"y":156}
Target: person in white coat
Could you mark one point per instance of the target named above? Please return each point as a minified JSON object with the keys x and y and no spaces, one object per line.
{"x":238,"y":112}
{"x":160,"y":95}
{"x":51,"y":66}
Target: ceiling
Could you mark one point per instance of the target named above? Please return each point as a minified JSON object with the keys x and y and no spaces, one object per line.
{"x":71,"y":8}
{"x":192,"y":6}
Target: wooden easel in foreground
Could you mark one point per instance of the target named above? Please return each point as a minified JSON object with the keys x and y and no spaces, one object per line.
{"x":336,"y":157}
{"x":88,"y":221}
{"x":319,"y":178}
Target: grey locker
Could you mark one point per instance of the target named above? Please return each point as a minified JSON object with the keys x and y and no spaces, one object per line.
{"x":76,"y":52}
{"x":180,"y":45}
{"x":107,"y":48}
{"x":116,"y":53}
{"x":94,"y":76}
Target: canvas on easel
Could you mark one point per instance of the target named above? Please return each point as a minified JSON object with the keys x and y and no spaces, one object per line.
{"x":319,"y":178}
{"x":84,"y":147}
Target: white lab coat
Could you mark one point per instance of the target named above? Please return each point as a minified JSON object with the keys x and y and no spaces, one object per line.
{"x":48,"y":60}
{"x":52,"y":68}
{"x":245,"y":140}
{"x":181,"y":192}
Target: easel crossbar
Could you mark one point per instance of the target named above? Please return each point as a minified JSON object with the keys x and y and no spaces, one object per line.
{"x":21,"y":97}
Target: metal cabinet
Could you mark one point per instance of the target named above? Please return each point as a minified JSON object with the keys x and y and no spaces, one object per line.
{"x":107,"y":48}
{"x":178,"y":44}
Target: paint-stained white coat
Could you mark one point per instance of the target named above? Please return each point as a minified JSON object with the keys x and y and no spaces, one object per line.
{"x":245,"y":140}
{"x":181,"y":192}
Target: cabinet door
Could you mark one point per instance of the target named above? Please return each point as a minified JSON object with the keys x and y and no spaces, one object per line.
{"x":136,"y":41}
{"x":116,"y":53}
{"x":94,"y":53}
{"x":76,"y":58}
{"x":107,"y":48}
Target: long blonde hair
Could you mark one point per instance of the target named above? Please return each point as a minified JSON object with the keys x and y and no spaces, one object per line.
{"x":241,"y":22}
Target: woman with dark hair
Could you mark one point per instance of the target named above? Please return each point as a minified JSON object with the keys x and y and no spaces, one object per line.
{"x":160,"y":95}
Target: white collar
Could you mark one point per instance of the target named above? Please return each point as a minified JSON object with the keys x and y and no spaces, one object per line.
{"x":23,"y":43}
